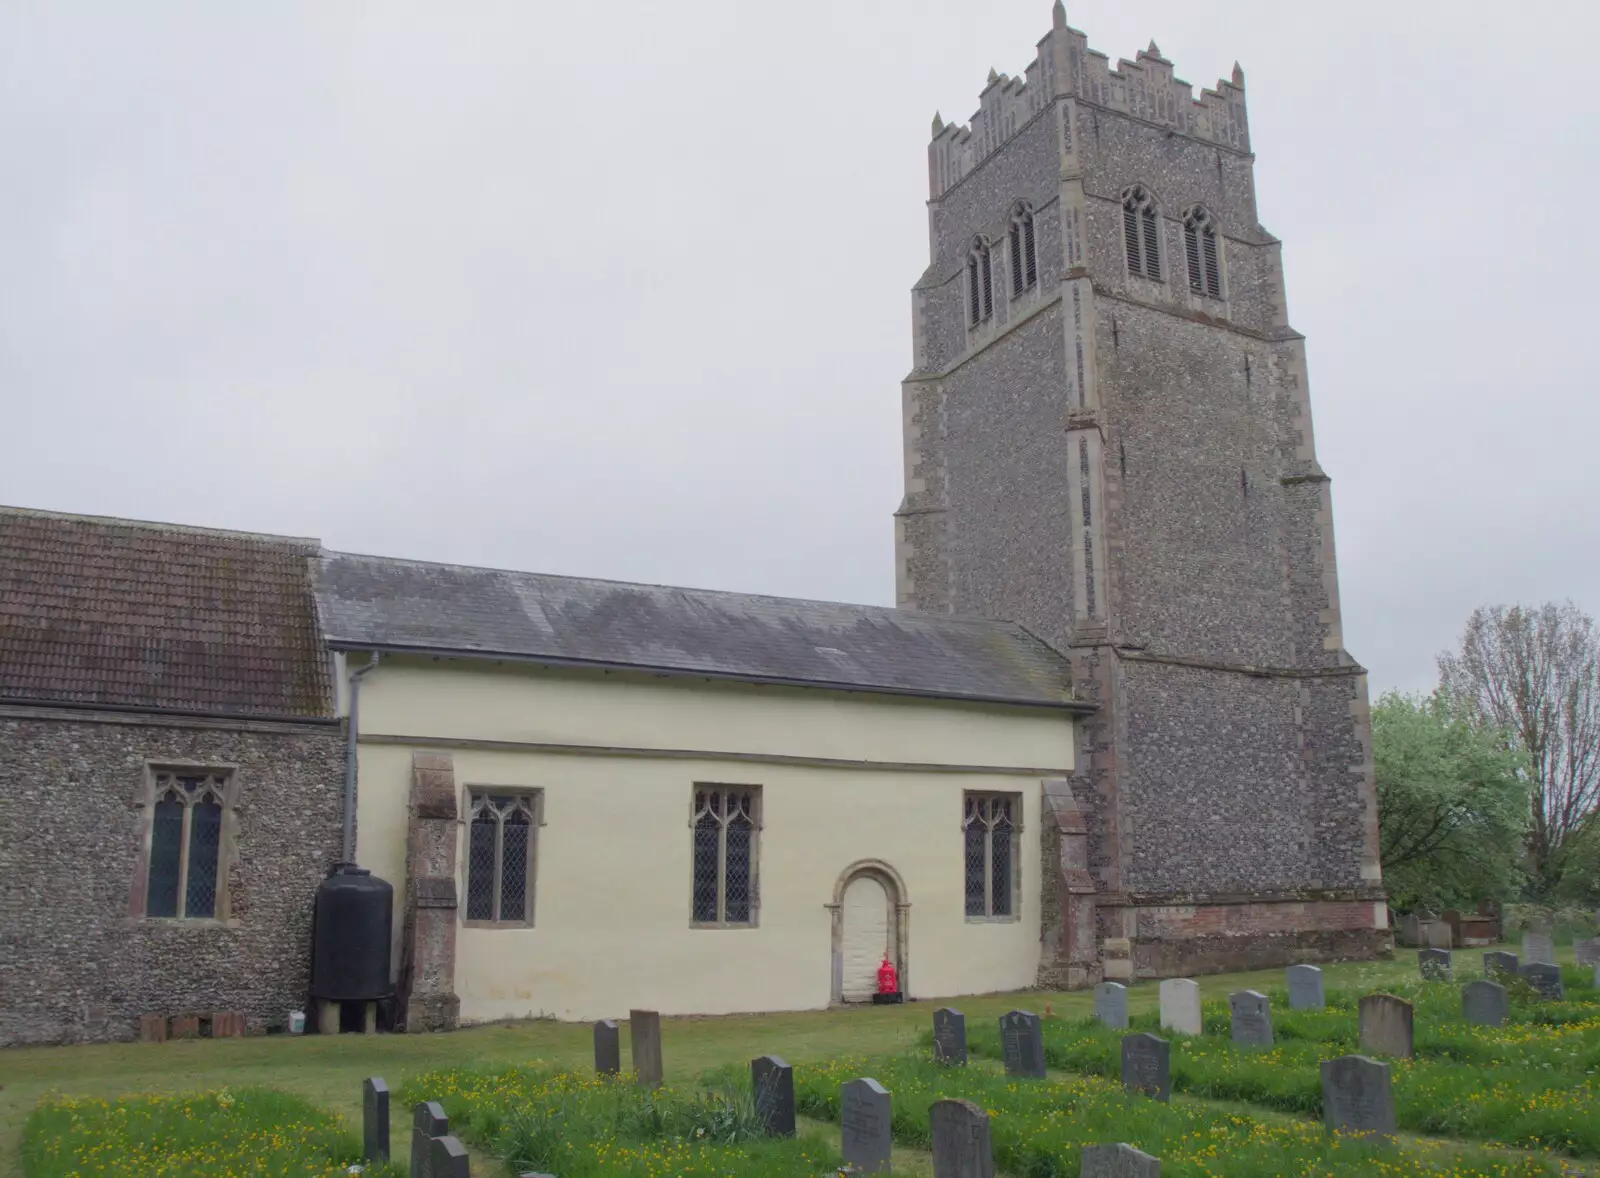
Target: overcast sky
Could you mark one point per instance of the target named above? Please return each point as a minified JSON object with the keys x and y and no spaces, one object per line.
{"x":622,"y":289}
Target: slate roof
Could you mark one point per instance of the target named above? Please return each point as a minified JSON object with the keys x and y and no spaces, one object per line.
{"x":369,"y":602}
{"x":97,"y":611}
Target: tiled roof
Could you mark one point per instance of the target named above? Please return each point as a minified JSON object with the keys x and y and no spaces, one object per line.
{"x":378,"y":602}
{"x":114,"y":612}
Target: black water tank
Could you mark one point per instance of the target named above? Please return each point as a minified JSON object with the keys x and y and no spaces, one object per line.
{"x":350,"y":941}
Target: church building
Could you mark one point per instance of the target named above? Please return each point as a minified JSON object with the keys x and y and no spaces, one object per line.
{"x":1109,"y":730}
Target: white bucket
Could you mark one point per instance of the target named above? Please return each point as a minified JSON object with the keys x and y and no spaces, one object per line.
{"x":297,"y":1022}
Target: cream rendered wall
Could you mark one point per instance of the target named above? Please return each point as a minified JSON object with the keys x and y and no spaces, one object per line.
{"x":612,"y":885}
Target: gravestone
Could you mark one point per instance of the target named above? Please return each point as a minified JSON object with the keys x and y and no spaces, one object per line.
{"x":607,"y":1048}
{"x":1305,"y":987}
{"x":1437,"y":935}
{"x":1586,"y":952}
{"x":772,"y":1081}
{"x":447,"y":1158}
{"x":1356,"y":1097}
{"x":1386,"y":1025}
{"x":1499,"y":963}
{"x":961,"y":1146}
{"x":949,"y":1037}
{"x":864,"y":1112}
{"x":1545,"y":979}
{"x":1147,"y":1065}
{"x":1537,"y":947}
{"x":1180,"y":1006}
{"x":1251,"y":1016}
{"x":1484,"y":1003}
{"x":1452,"y":917}
{"x":1111,"y":1005}
{"x":427,"y":1122}
{"x":644,"y":1038}
{"x":374,"y":1120}
{"x":1021,"y":1044}
{"x":1117,"y":1161}
{"x":1434,"y":965}
{"x":1411,"y":929}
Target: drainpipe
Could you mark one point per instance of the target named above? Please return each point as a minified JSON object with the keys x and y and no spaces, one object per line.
{"x":349,"y":855}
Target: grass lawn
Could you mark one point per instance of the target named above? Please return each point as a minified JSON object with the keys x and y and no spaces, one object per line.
{"x":329,"y":1070}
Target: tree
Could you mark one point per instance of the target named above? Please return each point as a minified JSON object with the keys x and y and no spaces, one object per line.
{"x":1452,"y":803}
{"x":1535,"y":674}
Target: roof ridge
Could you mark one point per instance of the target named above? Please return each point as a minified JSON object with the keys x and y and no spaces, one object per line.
{"x":158,"y":525}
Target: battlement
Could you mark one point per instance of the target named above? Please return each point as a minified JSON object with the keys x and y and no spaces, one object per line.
{"x":1065,"y":66}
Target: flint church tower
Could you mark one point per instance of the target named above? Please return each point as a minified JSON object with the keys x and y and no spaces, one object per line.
{"x":1108,"y":439}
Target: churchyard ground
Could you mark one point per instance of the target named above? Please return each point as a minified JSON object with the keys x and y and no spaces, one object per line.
{"x":1529,"y":1084}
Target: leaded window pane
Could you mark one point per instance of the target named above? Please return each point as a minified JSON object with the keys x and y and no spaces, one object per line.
{"x":707,"y":834}
{"x":736,"y":888}
{"x":1000,"y":868}
{"x":514,"y":867}
{"x":481,"y":842}
{"x":976,"y":901}
{"x":166,"y":858}
{"x":205,"y":839}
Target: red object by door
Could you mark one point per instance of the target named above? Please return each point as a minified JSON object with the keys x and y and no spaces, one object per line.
{"x":888,"y":982}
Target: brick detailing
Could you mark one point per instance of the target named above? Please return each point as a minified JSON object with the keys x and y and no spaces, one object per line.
{"x":428,"y":953}
{"x":1069,"y":959}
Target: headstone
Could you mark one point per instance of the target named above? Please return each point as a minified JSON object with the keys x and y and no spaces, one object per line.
{"x":1499,"y":963}
{"x":1484,"y":1003}
{"x":1586,"y":952}
{"x":1356,"y":1097}
{"x":1537,"y":947}
{"x":374,"y":1120}
{"x":1305,"y":987}
{"x":1180,"y":1006}
{"x":772,"y":1081}
{"x":447,"y":1158}
{"x":1111,"y":1005}
{"x":1147,"y":1065}
{"x":864,"y":1112}
{"x":427,"y":1122}
{"x":1251,"y":1016}
{"x":1438,"y":935}
{"x":1021,"y":1044}
{"x":644,"y":1038}
{"x":1117,"y":1161}
{"x":1411,"y":929}
{"x":1434,"y":965}
{"x":1452,"y":917}
{"x":961,"y":1146}
{"x":1385,"y":1023}
{"x":1545,"y":979}
{"x":949,"y":1037}
{"x":607,"y":1048}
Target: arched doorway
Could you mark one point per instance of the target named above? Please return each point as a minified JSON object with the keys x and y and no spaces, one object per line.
{"x":870,"y":918}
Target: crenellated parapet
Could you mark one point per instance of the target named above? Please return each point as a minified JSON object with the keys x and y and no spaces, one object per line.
{"x":1065,"y":66}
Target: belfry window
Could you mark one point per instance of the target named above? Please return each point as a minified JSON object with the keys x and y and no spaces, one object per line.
{"x":183,"y":879}
{"x":1024,"y":259}
{"x":502,"y":844}
{"x":1141,"y":232}
{"x":980,"y":283}
{"x":989,"y":825}
{"x":1200,"y":250}
{"x":724,"y":824}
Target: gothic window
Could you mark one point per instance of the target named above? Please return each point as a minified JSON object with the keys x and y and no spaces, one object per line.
{"x":1141,"y":234}
{"x":184,"y":875}
{"x":1024,"y":259}
{"x":980,"y":283}
{"x":724,"y":824}
{"x":989,"y":824}
{"x":502,"y":844}
{"x":1200,"y":250}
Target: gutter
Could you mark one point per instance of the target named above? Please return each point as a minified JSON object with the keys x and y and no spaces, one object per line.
{"x":349,"y":855}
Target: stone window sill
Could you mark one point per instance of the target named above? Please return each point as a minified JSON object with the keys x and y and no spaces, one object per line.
{"x":498,"y":924}
{"x":185,"y":922}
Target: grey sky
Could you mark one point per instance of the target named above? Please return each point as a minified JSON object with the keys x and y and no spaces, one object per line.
{"x":621,"y":289}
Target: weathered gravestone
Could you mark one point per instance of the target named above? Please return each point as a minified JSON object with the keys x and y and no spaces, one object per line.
{"x":772,"y":1081}
{"x":1434,"y":965}
{"x":864,"y":1112}
{"x":1499,"y":963}
{"x":1537,"y":947}
{"x":1484,"y":1003}
{"x":1545,"y":979}
{"x":961,"y":1146}
{"x":1452,"y":917}
{"x":1356,"y":1097}
{"x":1021,"y":1044}
{"x":1305,"y":987}
{"x":1147,"y":1065}
{"x":1180,"y":1006}
{"x":1437,"y":934}
{"x":1586,"y":952}
{"x":1117,"y":1161}
{"x":427,"y":1122}
{"x":1385,"y":1023}
{"x":644,"y":1038}
{"x":1111,"y":1005}
{"x":1411,"y":929}
{"x":374,"y":1120}
{"x":949,"y":1037}
{"x":1251,"y":1016}
{"x":447,"y":1158}
{"x":607,"y":1048}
